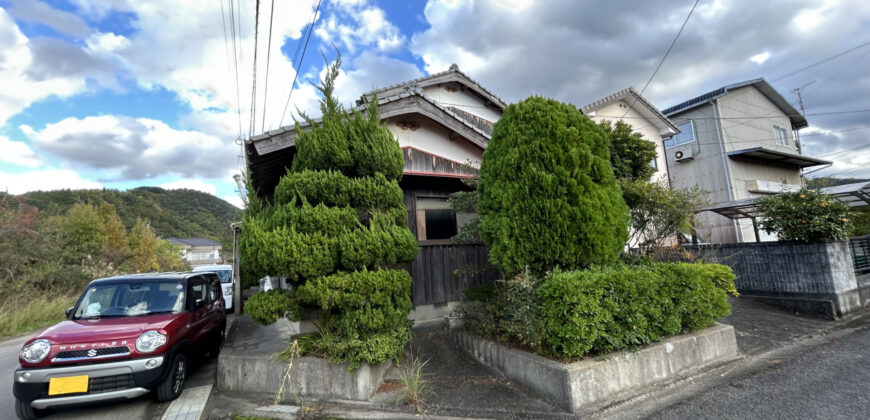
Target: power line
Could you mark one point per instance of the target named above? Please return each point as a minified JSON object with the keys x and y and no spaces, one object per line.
{"x":820,"y":62}
{"x":235,"y":65}
{"x":301,"y":59}
{"x":668,"y":52}
{"x":254,"y":87}
{"x":268,"y":54}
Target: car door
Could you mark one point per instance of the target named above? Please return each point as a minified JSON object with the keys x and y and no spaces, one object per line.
{"x":216,"y":302}
{"x":199,"y":308}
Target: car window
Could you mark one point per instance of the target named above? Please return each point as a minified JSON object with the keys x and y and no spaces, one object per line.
{"x":214,"y":289}
{"x":197,"y":291}
{"x":124,"y":299}
{"x":226,"y":276}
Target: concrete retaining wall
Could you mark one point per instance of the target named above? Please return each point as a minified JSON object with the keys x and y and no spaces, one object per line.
{"x":811,"y":277}
{"x":246,"y":364}
{"x":592,"y":384}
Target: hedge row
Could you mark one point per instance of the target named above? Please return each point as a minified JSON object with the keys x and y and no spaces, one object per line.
{"x":603,"y":309}
{"x":332,"y":188}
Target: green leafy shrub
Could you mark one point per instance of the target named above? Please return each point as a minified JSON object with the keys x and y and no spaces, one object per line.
{"x":602,"y":309}
{"x":630,"y":153}
{"x":548,"y":197}
{"x":266,"y":307}
{"x":337,"y":231}
{"x":806,"y":215}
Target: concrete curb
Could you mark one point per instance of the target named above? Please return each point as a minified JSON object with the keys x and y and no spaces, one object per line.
{"x":595,"y":383}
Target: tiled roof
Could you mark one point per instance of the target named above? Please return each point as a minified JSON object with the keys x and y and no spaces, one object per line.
{"x":194,"y":241}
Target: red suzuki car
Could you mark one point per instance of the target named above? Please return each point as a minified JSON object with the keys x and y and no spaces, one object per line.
{"x":126,"y":336}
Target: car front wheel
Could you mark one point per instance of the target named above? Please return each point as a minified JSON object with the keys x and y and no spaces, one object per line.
{"x":172,"y":386}
{"x":24,"y":411}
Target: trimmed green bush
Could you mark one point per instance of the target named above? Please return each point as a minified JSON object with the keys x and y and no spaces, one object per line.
{"x":265,"y":308}
{"x":337,"y":232}
{"x":603,"y":309}
{"x":548,"y":197}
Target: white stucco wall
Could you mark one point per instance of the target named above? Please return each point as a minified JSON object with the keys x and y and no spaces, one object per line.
{"x":434,"y":139}
{"x":639,"y":124}
{"x":465,"y":100}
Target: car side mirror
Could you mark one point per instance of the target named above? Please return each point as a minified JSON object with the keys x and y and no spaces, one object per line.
{"x":69,"y":312}
{"x":199,"y":304}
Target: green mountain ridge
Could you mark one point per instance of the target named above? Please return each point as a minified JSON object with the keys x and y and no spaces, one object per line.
{"x":179,"y":213}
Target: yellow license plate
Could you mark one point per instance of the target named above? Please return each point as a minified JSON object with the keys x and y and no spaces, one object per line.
{"x":68,"y":385}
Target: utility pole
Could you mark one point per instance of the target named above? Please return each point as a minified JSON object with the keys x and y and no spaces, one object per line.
{"x":799,"y":93}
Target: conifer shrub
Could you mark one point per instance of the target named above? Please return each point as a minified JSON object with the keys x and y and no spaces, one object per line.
{"x":548,"y":197}
{"x":336,"y":230}
{"x":604,"y":308}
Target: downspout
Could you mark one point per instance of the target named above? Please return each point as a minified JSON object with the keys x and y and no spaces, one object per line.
{"x":725,"y":165}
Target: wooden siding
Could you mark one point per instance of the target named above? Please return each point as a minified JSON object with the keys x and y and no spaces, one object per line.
{"x":420,"y":162}
{"x":441,"y":273}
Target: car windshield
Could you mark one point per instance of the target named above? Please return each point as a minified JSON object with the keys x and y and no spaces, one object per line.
{"x":226,"y":276}
{"x":116,"y":300}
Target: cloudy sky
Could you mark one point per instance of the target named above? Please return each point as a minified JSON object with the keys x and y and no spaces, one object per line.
{"x":123,"y":93}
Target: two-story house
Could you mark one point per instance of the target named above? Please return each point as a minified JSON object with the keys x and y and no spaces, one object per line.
{"x":442,"y":122}
{"x":737,"y":142}
{"x":199,"y":251}
{"x":630,"y":107}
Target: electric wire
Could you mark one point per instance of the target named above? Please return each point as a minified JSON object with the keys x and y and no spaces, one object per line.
{"x":820,"y":62}
{"x":301,"y":59}
{"x":668,"y":52}
{"x":268,"y":54}
{"x":254,"y":83}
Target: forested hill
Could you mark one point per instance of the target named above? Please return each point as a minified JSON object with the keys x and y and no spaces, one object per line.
{"x":179,"y":213}
{"x":823,"y":181}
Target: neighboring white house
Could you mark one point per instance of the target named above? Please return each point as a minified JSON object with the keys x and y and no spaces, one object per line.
{"x":199,"y":251}
{"x":633,"y":109}
{"x":738,"y":142}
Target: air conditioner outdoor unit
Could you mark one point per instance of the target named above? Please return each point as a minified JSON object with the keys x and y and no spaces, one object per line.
{"x":683,"y":154}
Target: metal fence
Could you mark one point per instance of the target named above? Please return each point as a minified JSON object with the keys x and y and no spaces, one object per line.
{"x":860,"y":246}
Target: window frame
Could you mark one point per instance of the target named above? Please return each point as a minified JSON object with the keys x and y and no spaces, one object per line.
{"x":694,"y":135}
{"x":424,"y":242}
{"x":777,"y":130}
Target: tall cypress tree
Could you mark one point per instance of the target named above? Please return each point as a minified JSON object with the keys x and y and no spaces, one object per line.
{"x":336,"y":230}
{"x":548,"y":197}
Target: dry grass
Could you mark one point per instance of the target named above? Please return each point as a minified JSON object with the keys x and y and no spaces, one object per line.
{"x":414,"y":390}
{"x":30,"y":310}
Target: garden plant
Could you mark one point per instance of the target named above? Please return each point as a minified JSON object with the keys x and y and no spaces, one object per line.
{"x":336,"y":230}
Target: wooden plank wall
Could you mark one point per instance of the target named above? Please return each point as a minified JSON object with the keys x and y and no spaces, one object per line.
{"x":441,"y":273}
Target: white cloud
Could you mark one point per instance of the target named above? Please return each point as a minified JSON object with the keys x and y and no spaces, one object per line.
{"x":44,"y":180}
{"x":760,"y":58}
{"x":135,"y":148}
{"x":27,"y":75}
{"x":234,"y":200}
{"x":18,"y":153}
{"x":190,"y":184}
{"x":357,"y":24}
{"x":39,"y":12}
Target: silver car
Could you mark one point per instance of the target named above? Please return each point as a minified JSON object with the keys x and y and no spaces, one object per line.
{"x":225,"y":273}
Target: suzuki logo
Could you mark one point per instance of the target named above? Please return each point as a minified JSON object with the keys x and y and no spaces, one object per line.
{"x":92,"y":353}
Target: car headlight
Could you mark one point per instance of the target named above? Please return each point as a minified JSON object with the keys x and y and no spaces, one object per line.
{"x":228,"y":291}
{"x":36,"y":351}
{"x":150,"y":341}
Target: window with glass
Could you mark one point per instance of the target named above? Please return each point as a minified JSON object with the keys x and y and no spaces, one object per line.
{"x":781,"y":135}
{"x":435,"y":219}
{"x":116,"y":300}
{"x":686,"y":135}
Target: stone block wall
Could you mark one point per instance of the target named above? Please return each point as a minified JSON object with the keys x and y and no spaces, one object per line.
{"x":794,"y":274}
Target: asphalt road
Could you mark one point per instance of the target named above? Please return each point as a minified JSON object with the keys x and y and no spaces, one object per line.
{"x":828,"y":381}
{"x":142,"y":408}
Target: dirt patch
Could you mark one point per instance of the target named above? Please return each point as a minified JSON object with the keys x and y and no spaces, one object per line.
{"x":389,"y":387}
